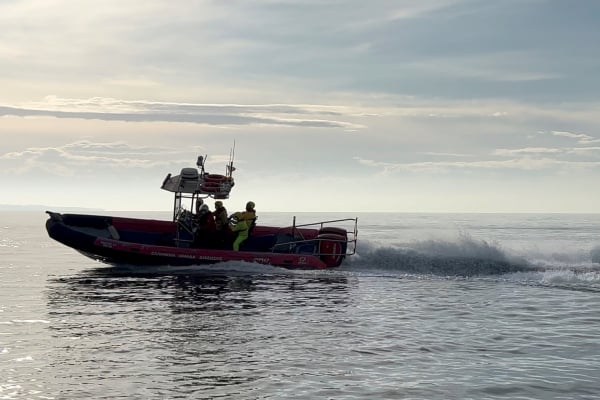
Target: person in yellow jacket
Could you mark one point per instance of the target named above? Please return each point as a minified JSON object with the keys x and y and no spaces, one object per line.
{"x":245,"y":221}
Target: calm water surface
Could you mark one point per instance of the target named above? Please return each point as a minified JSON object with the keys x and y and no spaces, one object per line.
{"x":434,"y":306}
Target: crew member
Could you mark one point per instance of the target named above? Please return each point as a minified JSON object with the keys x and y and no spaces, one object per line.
{"x":221,"y":224}
{"x":205,"y":230}
{"x":244,"y":225}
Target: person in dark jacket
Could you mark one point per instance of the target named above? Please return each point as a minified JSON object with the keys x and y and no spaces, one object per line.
{"x":220,"y":215}
{"x":206,"y":228}
{"x":222,"y":232}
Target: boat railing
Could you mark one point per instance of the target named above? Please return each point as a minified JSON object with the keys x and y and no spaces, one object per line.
{"x":350,"y":249}
{"x":298,"y":237}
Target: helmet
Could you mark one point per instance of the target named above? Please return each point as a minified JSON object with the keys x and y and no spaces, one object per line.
{"x":250,"y":205}
{"x":204,"y":208}
{"x":218,"y":204}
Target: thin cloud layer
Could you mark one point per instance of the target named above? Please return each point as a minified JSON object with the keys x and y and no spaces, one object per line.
{"x":68,"y":159}
{"x":524,"y":164}
{"x":524,"y":159}
{"x":106,"y":109}
{"x":581,"y":137}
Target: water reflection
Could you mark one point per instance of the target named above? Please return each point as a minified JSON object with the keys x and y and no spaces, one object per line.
{"x":116,"y":285}
{"x":187,"y":332}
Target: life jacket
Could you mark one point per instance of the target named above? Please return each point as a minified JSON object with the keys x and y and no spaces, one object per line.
{"x":246,"y":222}
{"x":250,"y":217}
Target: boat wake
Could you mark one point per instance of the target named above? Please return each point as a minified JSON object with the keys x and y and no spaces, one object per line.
{"x":460,"y":258}
{"x":466,"y":257}
{"x":463,"y":257}
{"x":595,"y":254}
{"x":570,"y":278}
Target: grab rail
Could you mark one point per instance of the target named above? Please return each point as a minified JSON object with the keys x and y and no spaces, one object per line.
{"x":351,"y":235}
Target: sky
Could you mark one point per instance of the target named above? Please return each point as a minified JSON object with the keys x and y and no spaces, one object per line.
{"x":349,"y":106}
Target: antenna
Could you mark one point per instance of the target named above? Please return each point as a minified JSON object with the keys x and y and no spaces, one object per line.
{"x":200,"y":163}
{"x":230,"y":167}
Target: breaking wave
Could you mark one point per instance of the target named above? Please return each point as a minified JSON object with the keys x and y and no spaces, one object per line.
{"x":463,"y":257}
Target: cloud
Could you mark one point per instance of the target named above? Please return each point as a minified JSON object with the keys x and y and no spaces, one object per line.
{"x":524,"y":164}
{"x":547,"y":150}
{"x":108,"y":109}
{"x":584,"y":150}
{"x":522,"y":159}
{"x":581,"y":137}
{"x":527,"y":150}
{"x":439,"y":154}
{"x":68,"y":159}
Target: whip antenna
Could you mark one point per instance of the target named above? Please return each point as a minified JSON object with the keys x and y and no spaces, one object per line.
{"x":230,"y":167}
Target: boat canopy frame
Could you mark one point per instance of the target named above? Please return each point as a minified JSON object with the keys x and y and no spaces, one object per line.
{"x":196,"y":184}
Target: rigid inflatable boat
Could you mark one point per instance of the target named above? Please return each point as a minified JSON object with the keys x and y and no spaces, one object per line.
{"x":134,"y":241}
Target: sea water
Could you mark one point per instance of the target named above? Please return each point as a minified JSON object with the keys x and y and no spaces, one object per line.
{"x":432,"y":306}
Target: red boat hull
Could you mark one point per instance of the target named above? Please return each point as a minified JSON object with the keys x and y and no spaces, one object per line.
{"x":131,"y":241}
